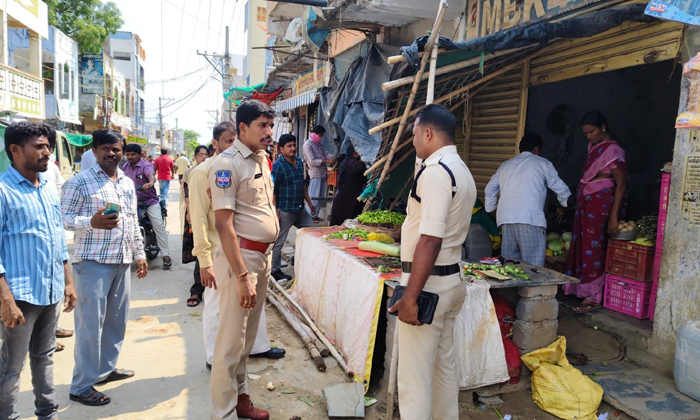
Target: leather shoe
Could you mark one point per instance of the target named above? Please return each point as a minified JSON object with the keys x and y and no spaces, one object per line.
{"x":273,"y":353}
{"x":244,"y":408}
{"x":279,"y":275}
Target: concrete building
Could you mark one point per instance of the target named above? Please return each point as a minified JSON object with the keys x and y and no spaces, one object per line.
{"x":255,"y":69}
{"x":103,"y":95}
{"x":60,"y":58}
{"x":22,"y":26}
{"x":129,"y":58}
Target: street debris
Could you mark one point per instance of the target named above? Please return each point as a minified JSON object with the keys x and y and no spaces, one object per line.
{"x":306,"y":401}
{"x":253,"y":376}
{"x":270,"y":386}
{"x":345,"y":400}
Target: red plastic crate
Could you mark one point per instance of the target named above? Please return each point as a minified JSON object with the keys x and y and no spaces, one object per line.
{"x":630,"y":260}
{"x":627,"y":296}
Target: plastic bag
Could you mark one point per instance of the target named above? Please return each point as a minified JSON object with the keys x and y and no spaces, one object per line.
{"x":481,"y":358}
{"x":690,"y":115}
{"x":559,"y":388}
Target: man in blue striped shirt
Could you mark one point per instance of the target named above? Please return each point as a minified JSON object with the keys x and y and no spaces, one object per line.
{"x":34,"y":273}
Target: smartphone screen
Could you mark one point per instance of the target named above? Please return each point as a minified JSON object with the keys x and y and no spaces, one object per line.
{"x":112,"y":208}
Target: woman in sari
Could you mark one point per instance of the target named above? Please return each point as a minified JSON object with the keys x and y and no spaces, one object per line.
{"x":351,"y":183}
{"x":599,"y":200}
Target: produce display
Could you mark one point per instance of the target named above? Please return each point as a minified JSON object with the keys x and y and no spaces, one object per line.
{"x":381,"y":217}
{"x":558,"y":244}
{"x":626,"y":226}
{"x":380,"y":237}
{"x":647,"y":226}
{"x":349,"y":235}
{"x":476,"y":270}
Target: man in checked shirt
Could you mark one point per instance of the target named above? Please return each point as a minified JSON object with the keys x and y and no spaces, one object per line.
{"x":105,"y":245}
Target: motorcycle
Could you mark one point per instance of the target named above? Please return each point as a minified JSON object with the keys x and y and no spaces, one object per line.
{"x":150,"y":242}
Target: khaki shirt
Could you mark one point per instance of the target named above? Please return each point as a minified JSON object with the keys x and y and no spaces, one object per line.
{"x":206,"y":238}
{"x":240,"y":180}
{"x":439,"y":214}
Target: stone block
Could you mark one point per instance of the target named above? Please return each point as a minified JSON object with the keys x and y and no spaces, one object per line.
{"x":534,"y":335}
{"x":528,"y":292}
{"x":345,"y":401}
{"x":537,"y":309}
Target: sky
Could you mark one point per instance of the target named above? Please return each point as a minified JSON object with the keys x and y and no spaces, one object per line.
{"x":171,"y":53}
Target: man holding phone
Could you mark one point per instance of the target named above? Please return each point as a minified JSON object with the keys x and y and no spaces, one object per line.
{"x":105,"y":245}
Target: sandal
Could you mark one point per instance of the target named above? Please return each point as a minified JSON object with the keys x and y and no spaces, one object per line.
{"x":60,"y":346}
{"x":91,"y":397}
{"x":194,"y":301}
{"x":61,"y":333}
{"x":585,"y":308}
{"x":117,"y":375}
{"x":167,"y":262}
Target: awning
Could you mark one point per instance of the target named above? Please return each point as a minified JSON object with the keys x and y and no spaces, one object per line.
{"x":296,"y":102}
{"x":78,"y":140}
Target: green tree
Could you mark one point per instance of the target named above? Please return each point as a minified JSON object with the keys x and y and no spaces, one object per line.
{"x":191,"y":140}
{"x":89,"y":22}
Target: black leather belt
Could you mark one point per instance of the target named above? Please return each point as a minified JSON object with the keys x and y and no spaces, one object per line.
{"x":438,"y":270}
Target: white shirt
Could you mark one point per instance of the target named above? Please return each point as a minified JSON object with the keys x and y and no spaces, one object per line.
{"x":88,"y":161}
{"x":53,"y":175}
{"x":523,"y":182}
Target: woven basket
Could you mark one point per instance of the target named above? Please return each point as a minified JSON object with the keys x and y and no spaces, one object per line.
{"x":394,"y":232}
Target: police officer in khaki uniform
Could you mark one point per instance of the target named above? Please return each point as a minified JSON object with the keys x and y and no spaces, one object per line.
{"x":439,"y":212}
{"x":246,"y":220}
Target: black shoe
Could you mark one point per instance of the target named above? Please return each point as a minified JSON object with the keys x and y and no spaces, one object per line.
{"x":279,"y":275}
{"x":273,"y":353}
{"x":208,"y":365}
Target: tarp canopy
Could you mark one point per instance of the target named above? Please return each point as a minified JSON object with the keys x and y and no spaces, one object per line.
{"x":584,"y":26}
{"x":356,"y":104}
{"x":78,"y":140}
{"x":238,"y":93}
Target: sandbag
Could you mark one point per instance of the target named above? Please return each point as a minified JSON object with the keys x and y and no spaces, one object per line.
{"x":559,"y":388}
{"x":479,"y":351}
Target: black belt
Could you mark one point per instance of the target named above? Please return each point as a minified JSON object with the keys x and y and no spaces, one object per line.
{"x":438,"y":270}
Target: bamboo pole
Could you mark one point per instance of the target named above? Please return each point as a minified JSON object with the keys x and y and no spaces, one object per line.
{"x":430,"y":94}
{"x":400,"y":58}
{"x":313,"y":351}
{"x":429,"y":47}
{"x":310,"y":323}
{"x":316,"y":342}
{"x":393,"y":84}
{"x":463,"y":89}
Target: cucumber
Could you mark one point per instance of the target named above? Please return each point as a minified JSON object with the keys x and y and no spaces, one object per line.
{"x":380,"y":248}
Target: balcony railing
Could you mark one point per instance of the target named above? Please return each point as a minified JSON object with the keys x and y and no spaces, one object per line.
{"x":21,"y":92}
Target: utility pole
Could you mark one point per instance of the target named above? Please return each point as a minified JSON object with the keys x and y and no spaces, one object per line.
{"x":160,"y":118}
{"x":222,"y":65}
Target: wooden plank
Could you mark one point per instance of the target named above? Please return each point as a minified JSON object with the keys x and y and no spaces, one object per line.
{"x":522,"y":111}
{"x":468,"y":115}
{"x":543,"y":277}
{"x":479,"y":111}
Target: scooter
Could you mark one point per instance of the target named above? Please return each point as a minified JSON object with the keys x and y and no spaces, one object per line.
{"x":150,"y":242}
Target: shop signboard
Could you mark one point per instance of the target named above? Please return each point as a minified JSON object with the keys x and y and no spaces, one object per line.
{"x":309,"y":81}
{"x":21,"y":93}
{"x":684,"y":11}
{"x":136,"y":140}
{"x":67,"y":110}
{"x":487,"y":17}
{"x":92,"y":74}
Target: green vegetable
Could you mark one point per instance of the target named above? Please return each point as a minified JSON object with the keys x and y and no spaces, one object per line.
{"x":380,"y":248}
{"x":555,"y":245}
{"x":349,"y":235}
{"x":382,"y":216}
{"x":567,"y":236}
{"x":553,"y":236}
{"x":307,"y":401}
{"x":522,"y":276}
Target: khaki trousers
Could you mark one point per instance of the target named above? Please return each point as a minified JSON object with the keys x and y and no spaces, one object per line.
{"x":237,"y":330}
{"x":427,"y":376}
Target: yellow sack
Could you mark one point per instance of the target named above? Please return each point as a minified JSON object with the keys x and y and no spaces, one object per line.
{"x":559,"y":388}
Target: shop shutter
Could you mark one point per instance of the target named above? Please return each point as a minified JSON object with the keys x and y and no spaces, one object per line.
{"x":625,"y":46}
{"x":460,"y":134}
{"x":343,"y":61}
{"x":495,"y":126}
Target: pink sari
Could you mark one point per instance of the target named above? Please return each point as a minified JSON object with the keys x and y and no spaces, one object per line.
{"x":594,"y":200}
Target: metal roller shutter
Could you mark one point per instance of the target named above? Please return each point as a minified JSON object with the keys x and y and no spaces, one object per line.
{"x":625,"y":46}
{"x":495,"y":126}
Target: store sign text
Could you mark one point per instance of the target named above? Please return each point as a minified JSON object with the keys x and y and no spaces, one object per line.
{"x":310,"y":81}
{"x":498,"y":15}
{"x":21,"y":93}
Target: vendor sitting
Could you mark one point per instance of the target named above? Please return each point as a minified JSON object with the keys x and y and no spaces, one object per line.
{"x":522,"y":182}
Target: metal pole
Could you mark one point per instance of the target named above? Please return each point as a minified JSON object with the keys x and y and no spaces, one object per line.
{"x":160,"y":118}
{"x":227,"y":76}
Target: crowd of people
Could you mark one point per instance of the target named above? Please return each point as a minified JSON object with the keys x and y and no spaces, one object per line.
{"x":239,"y":208}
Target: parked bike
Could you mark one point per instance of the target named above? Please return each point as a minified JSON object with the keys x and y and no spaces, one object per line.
{"x":150,"y":242}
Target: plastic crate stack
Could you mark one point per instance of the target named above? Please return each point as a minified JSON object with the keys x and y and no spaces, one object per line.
{"x":633,"y":270}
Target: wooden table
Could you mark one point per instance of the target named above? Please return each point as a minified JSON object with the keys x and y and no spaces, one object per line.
{"x":543,"y":277}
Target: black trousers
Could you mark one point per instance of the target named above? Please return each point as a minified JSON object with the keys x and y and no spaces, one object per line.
{"x":197,"y":288}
